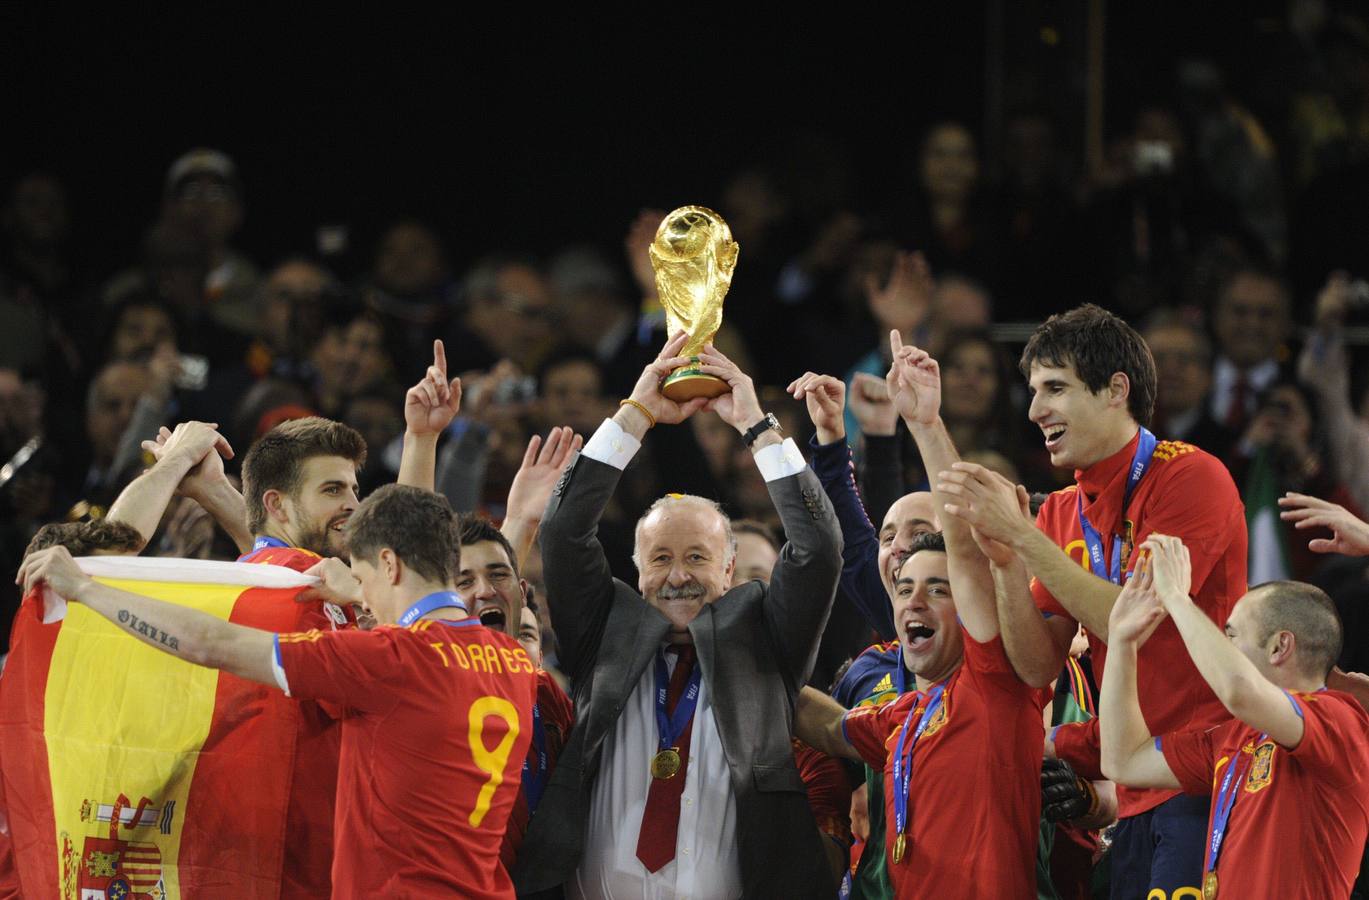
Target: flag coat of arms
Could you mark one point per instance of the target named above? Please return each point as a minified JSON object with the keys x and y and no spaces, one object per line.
{"x":129,"y":774}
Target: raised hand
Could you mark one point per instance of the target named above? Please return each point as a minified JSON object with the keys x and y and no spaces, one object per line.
{"x":825,"y":397}
{"x":871,"y":406}
{"x":1350,"y":534}
{"x":200,"y":446}
{"x":542,"y":466}
{"x":995,"y":508}
{"x":902,"y":302}
{"x":647,"y":390}
{"x":739,"y":407}
{"x":913,"y":382}
{"x":1168,"y":567}
{"x":430,"y":405}
{"x":997,"y":552}
{"x":1138,"y":610}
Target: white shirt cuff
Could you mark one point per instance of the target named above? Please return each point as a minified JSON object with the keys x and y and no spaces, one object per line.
{"x":780,"y":460}
{"x":612,"y":445}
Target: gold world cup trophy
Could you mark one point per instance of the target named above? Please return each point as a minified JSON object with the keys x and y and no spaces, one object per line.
{"x":694,"y":257}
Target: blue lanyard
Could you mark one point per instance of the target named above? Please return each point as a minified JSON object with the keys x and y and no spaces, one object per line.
{"x":1226,"y":799}
{"x":263,"y":542}
{"x":436,"y":600}
{"x":536,"y":782}
{"x":1145,"y":450}
{"x":901,"y":677}
{"x":903,"y":772}
{"x":671,"y":727}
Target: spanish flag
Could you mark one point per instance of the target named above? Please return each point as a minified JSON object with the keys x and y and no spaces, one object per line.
{"x":127,"y":773}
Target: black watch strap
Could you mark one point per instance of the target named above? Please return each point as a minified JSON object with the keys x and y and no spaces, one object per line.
{"x":761,"y":428}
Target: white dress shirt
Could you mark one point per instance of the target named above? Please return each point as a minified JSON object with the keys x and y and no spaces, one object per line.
{"x":706,"y":864}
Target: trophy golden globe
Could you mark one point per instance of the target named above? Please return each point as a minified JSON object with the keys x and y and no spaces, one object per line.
{"x":694,"y":257}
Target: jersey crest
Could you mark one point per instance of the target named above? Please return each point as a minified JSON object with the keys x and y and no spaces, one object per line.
{"x":1261,"y":768}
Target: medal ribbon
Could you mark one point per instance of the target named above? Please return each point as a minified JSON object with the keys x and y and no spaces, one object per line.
{"x":263,"y":542}
{"x":903,"y":771}
{"x":1145,"y":451}
{"x":671,"y":727}
{"x":1226,"y":799}
{"x":536,"y":782}
{"x":435,"y":600}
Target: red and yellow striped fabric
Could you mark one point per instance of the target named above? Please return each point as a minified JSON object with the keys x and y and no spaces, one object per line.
{"x":128,"y":773}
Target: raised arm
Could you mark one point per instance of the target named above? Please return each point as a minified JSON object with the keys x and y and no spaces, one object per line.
{"x":1035,"y":645}
{"x":429,"y":408}
{"x":144,"y":501}
{"x":1246,"y":693}
{"x":543,"y":463}
{"x":803,"y":583}
{"x":914,"y":386}
{"x":1349,"y":533}
{"x":187,"y":634}
{"x":831,"y":462}
{"x":205,"y":482}
{"x":817,"y":722}
{"x":579,"y":582}
{"x":1129,"y":754}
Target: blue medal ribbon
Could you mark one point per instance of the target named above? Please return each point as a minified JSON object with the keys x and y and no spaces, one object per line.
{"x":1226,"y":799}
{"x":435,"y":600}
{"x":671,"y":727}
{"x":1145,"y":451}
{"x":903,"y":771}
{"x":261,"y":543}
{"x":534,"y":783}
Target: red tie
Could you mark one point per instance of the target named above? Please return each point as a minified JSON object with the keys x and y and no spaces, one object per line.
{"x":1235,"y":413}
{"x":661,"y":818}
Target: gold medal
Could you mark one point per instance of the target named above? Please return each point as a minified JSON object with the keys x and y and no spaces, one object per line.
{"x":665,"y":764}
{"x":900,"y":845}
{"x":1210,"y":886}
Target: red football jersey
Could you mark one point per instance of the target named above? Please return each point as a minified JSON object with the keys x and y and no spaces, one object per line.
{"x":828,"y":789}
{"x":436,"y":721}
{"x":313,"y":789}
{"x":1188,"y":494}
{"x":1301,"y":816}
{"x":558,"y":717}
{"x":975,"y":794}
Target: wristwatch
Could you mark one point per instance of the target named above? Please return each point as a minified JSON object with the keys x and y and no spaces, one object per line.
{"x":761,"y":428}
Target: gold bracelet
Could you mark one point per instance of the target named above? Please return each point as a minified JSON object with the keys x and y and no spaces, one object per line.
{"x":640,"y":408}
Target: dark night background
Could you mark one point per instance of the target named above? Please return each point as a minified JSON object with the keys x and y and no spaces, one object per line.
{"x":527,"y":131}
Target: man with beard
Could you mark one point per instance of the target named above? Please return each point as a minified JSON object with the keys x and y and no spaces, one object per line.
{"x":679,"y":779}
{"x":300,"y":488}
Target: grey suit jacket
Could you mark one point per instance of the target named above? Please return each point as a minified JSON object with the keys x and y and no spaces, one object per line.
{"x":756,"y":645}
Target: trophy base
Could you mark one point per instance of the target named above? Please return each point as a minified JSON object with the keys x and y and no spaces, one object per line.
{"x":688,"y":383}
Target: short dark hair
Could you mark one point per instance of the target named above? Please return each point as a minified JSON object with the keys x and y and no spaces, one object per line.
{"x":473,"y":529}
{"x":1097,"y":344}
{"x":759,"y":529}
{"x":418,"y":525}
{"x":1307,"y":612}
{"x":928,"y":540}
{"x":276,"y":461}
{"x":84,"y":538}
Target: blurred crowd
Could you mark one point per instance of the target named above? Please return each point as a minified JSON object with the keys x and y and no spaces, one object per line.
{"x":1226,"y":228}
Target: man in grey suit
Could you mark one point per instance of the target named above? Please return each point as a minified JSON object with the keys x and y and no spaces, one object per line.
{"x":645,"y":801}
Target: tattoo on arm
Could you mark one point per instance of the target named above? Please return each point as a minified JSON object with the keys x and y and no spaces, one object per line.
{"x":148,"y":630}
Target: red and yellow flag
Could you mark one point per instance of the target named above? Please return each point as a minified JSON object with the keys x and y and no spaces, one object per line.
{"x":127,"y":773}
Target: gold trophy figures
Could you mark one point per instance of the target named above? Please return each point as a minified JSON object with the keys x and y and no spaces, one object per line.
{"x":694,"y":256}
